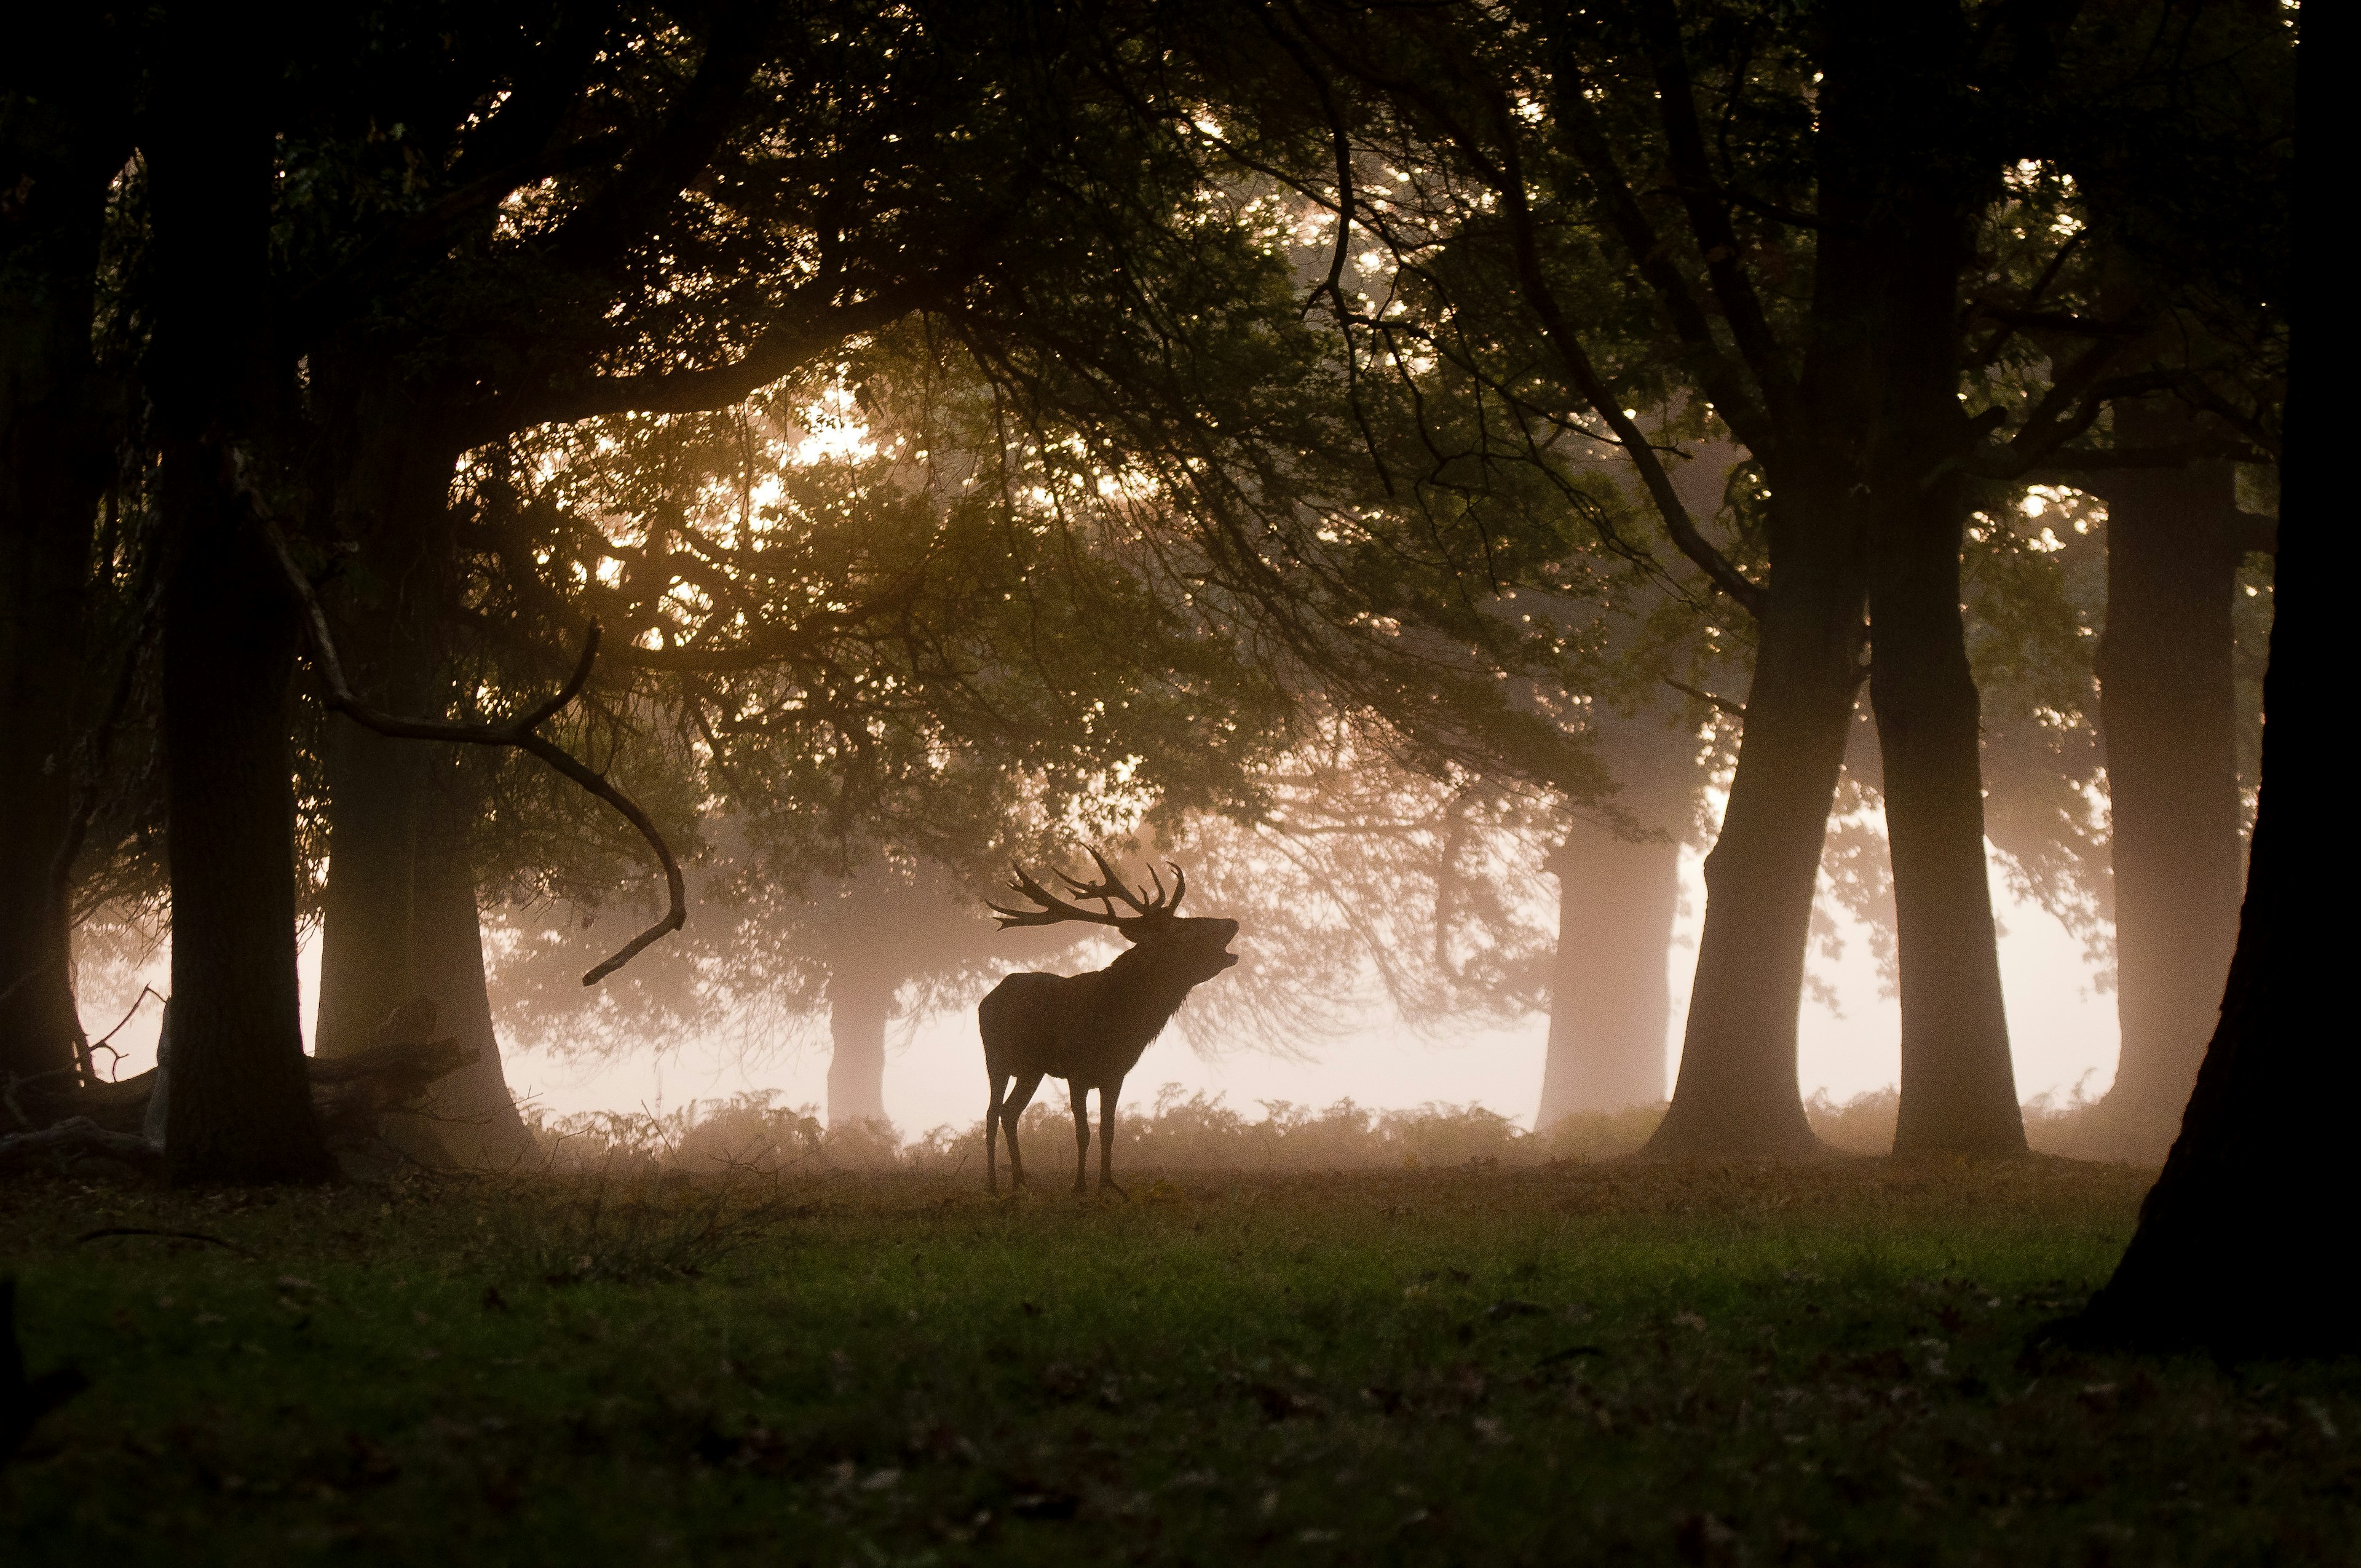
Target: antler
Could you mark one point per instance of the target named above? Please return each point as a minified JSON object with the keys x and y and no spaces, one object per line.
{"x":1108,"y":891}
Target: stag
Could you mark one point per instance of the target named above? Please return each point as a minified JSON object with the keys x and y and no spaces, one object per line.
{"x":1090,"y":1029}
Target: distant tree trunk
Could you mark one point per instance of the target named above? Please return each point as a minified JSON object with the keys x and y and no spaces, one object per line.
{"x":240,"y":1109}
{"x":1611,"y":997}
{"x":1958,"y":1084}
{"x":54,"y":460}
{"x":2167,"y":710}
{"x":860,"y":999}
{"x":1737,"y":1095}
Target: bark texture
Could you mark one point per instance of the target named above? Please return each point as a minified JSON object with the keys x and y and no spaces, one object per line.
{"x":402,"y":928}
{"x":472,"y":1113}
{"x":240,"y":1109}
{"x":45,"y":528}
{"x":1888,"y":78}
{"x":55,"y":428}
{"x":1850,"y":477}
{"x":379,"y":794}
{"x":387,"y":475}
{"x":2168,"y":712}
{"x":1737,"y":1096}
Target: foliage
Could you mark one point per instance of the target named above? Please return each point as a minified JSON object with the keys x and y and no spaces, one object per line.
{"x":1578,"y":1363}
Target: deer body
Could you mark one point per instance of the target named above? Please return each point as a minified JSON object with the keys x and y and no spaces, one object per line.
{"x":1090,"y":1029}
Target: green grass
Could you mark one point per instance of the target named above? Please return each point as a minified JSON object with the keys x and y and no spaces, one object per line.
{"x":1581,"y":1363}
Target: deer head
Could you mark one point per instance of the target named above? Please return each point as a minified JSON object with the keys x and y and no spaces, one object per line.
{"x":1196,"y":948}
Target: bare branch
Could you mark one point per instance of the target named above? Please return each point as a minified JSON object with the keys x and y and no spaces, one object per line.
{"x":1735,"y":710}
{"x":1341,"y":144}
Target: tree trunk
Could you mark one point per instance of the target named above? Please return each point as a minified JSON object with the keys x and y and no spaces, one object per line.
{"x":858,"y":1002}
{"x":1737,"y":1096}
{"x":389,"y":477}
{"x":2232,"y":1252}
{"x":1736,"y":1091}
{"x":46,"y":500}
{"x":1610,"y":998}
{"x":2237,"y":1248}
{"x":2168,"y":711}
{"x":1959,"y":1087}
{"x":378,"y":790}
{"x":54,"y":460}
{"x":400,"y":923}
{"x":240,"y":1107}
{"x":475,"y":1116}
{"x":1900,"y":65}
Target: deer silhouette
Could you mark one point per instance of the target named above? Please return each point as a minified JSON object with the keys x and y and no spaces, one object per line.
{"x":1090,"y":1029}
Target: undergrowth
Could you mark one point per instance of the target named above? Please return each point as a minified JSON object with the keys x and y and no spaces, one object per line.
{"x":1178,"y":1131}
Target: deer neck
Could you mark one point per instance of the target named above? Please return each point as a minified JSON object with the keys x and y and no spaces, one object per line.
{"x":1147,"y":993}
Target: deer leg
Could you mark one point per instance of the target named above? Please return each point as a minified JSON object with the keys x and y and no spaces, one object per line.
{"x":1108,"y":1095}
{"x":991,"y":1135}
{"x":1011,"y":1109}
{"x":1081,"y":1097}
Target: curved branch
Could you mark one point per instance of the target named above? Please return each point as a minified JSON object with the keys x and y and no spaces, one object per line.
{"x":519,"y":731}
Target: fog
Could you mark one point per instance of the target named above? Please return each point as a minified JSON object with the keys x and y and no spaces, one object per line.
{"x":2062,"y":1027}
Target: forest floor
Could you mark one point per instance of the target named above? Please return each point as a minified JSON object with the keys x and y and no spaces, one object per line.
{"x":1571,"y":1364}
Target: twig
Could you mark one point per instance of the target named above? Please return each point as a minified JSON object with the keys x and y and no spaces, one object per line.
{"x":1735,"y":710}
{"x":145,"y":993}
{"x":105,"y":1231}
{"x":520,"y":732}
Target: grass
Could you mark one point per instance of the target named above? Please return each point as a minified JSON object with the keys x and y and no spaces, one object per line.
{"x":1572,"y":1362}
